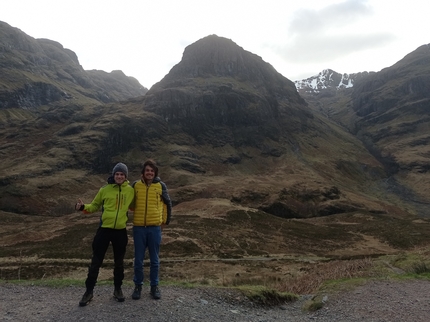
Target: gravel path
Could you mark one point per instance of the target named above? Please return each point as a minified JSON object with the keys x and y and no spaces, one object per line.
{"x":375,"y":301}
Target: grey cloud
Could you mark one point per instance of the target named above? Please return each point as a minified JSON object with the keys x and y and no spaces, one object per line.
{"x":337,"y":15}
{"x":324,"y":49}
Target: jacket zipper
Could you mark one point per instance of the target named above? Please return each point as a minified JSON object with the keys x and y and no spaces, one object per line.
{"x":118,"y":206}
{"x":146,"y":205}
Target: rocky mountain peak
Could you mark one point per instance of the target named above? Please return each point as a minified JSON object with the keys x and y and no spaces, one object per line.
{"x":328,"y":79}
{"x":219,"y":84}
{"x":215,"y":56}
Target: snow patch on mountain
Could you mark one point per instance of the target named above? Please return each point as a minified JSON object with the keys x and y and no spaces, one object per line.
{"x":325,"y":80}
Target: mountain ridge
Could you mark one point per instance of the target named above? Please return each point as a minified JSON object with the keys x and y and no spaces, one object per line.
{"x":36,"y":72}
{"x":222,"y":113}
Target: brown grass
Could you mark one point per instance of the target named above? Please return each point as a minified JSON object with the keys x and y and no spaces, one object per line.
{"x":216,"y":242}
{"x":318,"y":274}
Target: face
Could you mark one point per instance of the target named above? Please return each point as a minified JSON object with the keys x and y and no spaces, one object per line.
{"x":148,"y":174}
{"x":119,"y":178}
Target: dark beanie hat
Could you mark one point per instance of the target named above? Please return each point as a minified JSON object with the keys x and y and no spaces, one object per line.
{"x":120,"y":167}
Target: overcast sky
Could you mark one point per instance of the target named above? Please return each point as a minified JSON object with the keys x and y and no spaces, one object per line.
{"x":145,"y":39}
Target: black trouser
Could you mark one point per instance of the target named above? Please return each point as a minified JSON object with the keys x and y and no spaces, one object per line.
{"x":102,"y":239}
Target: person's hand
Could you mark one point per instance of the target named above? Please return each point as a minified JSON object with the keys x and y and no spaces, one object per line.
{"x":79,"y":204}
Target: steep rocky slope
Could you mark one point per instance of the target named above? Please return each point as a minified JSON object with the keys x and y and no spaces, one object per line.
{"x":389,"y":112}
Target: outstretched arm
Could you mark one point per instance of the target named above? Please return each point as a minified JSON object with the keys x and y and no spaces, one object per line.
{"x":93,"y":206}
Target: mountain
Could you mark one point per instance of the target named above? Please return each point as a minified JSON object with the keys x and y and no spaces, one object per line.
{"x":223,"y":124}
{"x":42,"y":88}
{"x":219,"y":87}
{"x":389,"y":112}
{"x":40,"y":72}
{"x":393,"y":117}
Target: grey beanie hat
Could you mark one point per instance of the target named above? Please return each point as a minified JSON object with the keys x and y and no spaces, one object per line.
{"x":120,"y":167}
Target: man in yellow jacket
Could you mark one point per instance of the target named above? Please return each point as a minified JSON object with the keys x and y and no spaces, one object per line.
{"x":153,"y":208}
{"x":114,"y":199}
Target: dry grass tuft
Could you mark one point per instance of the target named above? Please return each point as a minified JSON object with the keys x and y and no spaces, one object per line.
{"x":322,"y":272}
{"x":265,"y":296}
{"x":420,"y":268}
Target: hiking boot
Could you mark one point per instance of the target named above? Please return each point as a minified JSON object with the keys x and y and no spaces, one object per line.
{"x":86,"y":298}
{"x":117,"y":294}
{"x":155,"y":292}
{"x":137,"y":292}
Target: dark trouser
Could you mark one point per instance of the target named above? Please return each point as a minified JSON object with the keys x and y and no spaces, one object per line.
{"x":119,"y":240}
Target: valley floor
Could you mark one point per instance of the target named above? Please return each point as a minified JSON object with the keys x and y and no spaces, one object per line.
{"x":375,"y":301}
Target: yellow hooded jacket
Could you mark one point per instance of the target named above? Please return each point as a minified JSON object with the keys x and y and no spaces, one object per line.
{"x":152,"y":204}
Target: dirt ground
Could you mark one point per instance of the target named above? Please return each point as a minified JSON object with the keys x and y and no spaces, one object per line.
{"x":376,"y":301}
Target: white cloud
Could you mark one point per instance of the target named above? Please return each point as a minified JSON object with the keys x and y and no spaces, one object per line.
{"x":329,"y":48}
{"x":336,"y":16}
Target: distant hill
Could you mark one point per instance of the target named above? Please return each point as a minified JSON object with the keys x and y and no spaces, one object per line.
{"x":41,"y":72}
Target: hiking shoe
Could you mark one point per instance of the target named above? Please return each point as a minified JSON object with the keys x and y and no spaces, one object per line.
{"x":137,"y":292}
{"x":117,"y":294}
{"x":86,"y":298}
{"x":155,"y":292}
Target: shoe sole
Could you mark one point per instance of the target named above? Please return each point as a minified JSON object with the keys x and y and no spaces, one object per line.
{"x":85,"y":303}
{"x":118,"y":299}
